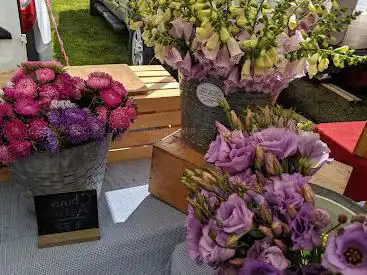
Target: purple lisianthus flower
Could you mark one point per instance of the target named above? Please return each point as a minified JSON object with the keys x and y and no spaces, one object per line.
{"x":256,"y":267}
{"x":312,"y":269}
{"x":310,"y":145}
{"x":246,"y":177}
{"x":281,"y":142}
{"x":50,"y":141}
{"x":214,"y":253}
{"x":263,"y":250}
{"x":234,"y":215}
{"x":193,"y":234}
{"x":234,"y":154}
{"x":346,"y":252}
{"x":285,"y":191}
{"x":305,"y":235}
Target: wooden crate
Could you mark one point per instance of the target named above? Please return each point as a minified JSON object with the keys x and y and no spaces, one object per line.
{"x":165,"y":181}
{"x":157,"y":95}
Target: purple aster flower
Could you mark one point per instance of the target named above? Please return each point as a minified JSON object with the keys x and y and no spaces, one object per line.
{"x":304,"y":234}
{"x":214,"y":253}
{"x":193,"y":234}
{"x":77,"y":133}
{"x":256,"y":267}
{"x":263,"y":250}
{"x":346,"y":252}
{"x":234,"y":215}
{"x":50,"y":141}
{"x":311,"y":146}
{"x":281,"y":142}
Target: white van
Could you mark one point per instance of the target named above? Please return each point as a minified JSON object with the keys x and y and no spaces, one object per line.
{"x":25,"y":32}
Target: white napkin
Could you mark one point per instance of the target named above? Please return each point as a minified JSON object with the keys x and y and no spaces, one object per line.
{"x":123,"y":202}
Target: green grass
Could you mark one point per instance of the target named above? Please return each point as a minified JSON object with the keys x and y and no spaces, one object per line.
{"x":87,"y":39}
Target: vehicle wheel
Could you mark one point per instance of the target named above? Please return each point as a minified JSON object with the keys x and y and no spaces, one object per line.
{"x":92,"y":9}
{"x":140,"y":54}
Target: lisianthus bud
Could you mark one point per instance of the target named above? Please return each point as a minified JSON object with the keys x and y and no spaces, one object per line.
{"x":260,"y":155}
{"x":308,"y":194}
{"x":280,"y":244}
{"x":224,"y":34}
{"x":236,"y":121}
{"x":246,"y":70}
{"x":189,"y":173}
{"x":265,"y":214}
{"x":213,"y":42}
{"x":292,"y":211}
{"x":292,"y":23}
{"x":361,"y":218}
{"x":342,"y":218}
{"x":237,"y":262}
{"x":320,"y":218}
{"x":272,"y":164}
{"x":266,"y":230}
{"x":208,"y":177}
{"x":276,"y":226}
{"x":286,"y":229}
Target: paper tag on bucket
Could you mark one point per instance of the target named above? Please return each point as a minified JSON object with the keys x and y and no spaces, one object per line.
{"x":209,"y":94}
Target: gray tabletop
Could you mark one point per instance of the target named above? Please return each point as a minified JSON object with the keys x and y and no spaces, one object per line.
{"x":142,"y":245}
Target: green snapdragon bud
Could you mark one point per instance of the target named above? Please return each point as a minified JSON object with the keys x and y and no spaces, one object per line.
{"x":323,"y":64}
{"x":311,"y":7}
{"x":314,"y":58}
{"x":336,"y":60}
{"x":213,"y":42}
{"x":335,"y":5}
{"x":292,"y":23}
{"x":202,"y":14}
{"x":233,"y":30}
{"x":343,"y":49}
{"x":241,"y":21}
{"x":224,"y":34}
{"x":248,"y":44}
{"x":162,"y":2}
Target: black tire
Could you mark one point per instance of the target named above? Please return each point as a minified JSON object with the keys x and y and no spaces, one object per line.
{"x":92,"y":10}
{"x":147,"y":57}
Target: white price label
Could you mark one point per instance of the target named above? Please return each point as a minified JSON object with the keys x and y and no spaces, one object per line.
{"x":209,"y":94}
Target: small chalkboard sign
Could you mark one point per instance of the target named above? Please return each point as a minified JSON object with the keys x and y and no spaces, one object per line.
{"x":67,"y":218}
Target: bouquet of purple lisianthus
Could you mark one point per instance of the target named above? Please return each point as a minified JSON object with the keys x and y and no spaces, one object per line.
{"x":256,"y":213}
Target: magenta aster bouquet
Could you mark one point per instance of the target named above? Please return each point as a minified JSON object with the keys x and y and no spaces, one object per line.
{"x":251,"y":45}
{"x":43,"y":108}
{"x":256,"y":213}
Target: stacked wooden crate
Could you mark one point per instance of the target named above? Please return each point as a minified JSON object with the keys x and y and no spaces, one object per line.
{"x":157,"y":95}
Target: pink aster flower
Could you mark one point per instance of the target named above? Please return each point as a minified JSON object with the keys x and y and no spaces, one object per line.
{"x":102,"y":113}
{"x":20,"y":149}
{"x":65,"y":85}
{"x":15,"y":129}
{"x":120,"y":118}
{"x":37,"y":128}
{"x":45,"y":75}
{"x":26,"y":107}
{"x":11,"y":93}
{"x":27,"y":87}
{"x":6,"y":109}
{"x":99,"y":80}
{"x":110,"y":97}
{"x":119,"y":88}
{"x":79,"y":88}
{"x":5,"y":155}
{"x":18,"y":75}
{"x":48,"y":93}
